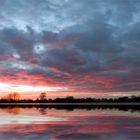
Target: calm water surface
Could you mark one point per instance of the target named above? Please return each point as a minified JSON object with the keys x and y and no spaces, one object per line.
{"x":79,"y":124}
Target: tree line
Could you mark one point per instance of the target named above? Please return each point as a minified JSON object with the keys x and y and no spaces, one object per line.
{"x":42,"y":98}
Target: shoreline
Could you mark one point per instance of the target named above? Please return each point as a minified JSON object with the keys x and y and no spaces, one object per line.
{"x":76,"y":104}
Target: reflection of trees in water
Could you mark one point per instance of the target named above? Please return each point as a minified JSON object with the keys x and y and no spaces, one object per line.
{"x":14,"y":110}
{"x":43,"y":111}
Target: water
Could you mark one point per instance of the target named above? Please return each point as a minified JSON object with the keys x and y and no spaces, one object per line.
{"x":60,"y":124}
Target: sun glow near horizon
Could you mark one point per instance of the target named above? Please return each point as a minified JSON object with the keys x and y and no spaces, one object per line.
{"x":8,"y":87}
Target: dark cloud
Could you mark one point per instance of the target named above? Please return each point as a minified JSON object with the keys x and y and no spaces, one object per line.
{"x":68,"y":41}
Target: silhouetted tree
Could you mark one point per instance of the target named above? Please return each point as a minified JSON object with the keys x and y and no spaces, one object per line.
{"x":42,"y":96}
{"x":13,"y":96}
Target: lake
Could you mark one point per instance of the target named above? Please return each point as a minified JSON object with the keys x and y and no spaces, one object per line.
{"x":40,"y":123}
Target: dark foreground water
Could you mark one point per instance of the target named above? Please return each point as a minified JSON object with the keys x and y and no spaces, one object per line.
{"x":18,"y":123}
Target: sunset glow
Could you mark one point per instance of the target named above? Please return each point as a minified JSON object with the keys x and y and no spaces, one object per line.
{"x":69,"y":69}
{"x":56,"y":46}
{"x":27,"y":88}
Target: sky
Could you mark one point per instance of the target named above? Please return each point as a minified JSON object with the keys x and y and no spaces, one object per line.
{"x":82,"y":48}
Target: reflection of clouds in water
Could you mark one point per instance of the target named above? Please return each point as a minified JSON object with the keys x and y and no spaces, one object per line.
{"x":27,"y":116}
{"x":60,"y":132}
{"x":19,"y":119}
{"x":78,"y":136}
{"x":102,"y":128}
{"x":51,"y":124}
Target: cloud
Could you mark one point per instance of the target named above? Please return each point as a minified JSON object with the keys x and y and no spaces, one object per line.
{"x":89,"y":45}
